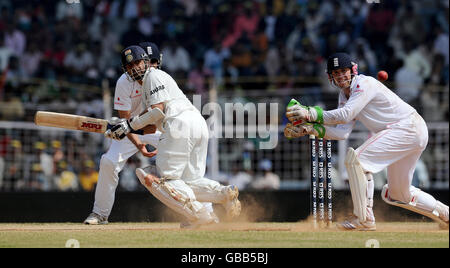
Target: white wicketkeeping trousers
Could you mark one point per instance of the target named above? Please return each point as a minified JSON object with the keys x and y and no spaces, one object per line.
{"x":398,"y":148}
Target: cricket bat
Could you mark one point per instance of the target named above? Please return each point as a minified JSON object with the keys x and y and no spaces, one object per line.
{"x":70,"y":121}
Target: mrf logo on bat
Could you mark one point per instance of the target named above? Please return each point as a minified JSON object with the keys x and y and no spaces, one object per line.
{"x":91,"y":126}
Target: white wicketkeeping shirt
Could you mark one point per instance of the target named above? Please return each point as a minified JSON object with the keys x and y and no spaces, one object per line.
{"x":371,"y":103}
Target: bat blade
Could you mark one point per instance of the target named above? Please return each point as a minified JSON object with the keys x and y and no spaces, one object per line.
{"x":70,"y":121}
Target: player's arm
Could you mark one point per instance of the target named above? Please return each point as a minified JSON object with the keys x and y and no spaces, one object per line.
{"x":343,"y":115}
{"x":140,"y":124}
{"x":135,"y":138}
{"x":339,"y":132}
{"x":349,"y":111}
{"x":160,"y":106}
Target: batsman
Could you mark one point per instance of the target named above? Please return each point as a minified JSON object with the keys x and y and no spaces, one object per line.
{"x":401,"y":135}
{"x":178,"y":179}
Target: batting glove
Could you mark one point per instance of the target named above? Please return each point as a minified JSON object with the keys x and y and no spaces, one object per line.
{"x":119,"y":128}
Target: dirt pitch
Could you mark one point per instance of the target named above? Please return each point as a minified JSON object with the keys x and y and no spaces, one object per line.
{"x":223,"y":235}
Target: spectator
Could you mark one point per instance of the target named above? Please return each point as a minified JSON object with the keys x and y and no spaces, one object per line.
{"x":241,"y":58}
{"x":441,"y":44}
{"x":273,"y":60}
{"x":4,"y":140}
{"x":231,"y":74}
{"x":131,"y":9}
{"x":268,"y":180}
{"x":53,"y":60}
{"x":15,"y":39}
{"x":30,"y":61}
{"x":407,"y":83}
{"x":367,"y":61}
{"x":270,"y":21}
{"x":415,"y":59}
{"x":146,"y":20}
{"x":133,"y":36}
{"x":128,"y":180}
{"x":57,"y":154}
{"x":214,"y":61}
{"x":410,"y":23}
{"x":14,"y":73}
{"x":197,"y":79}
{"x":378,"y":24}
{"x":294,"y":40}
{"x":88,"y":176}
{"x":240,"y":177}
{"x":5,"y":11}
{"x":92,"y":106}
{"x":5,"y":54}
{"x":45,"y":159}
{"x":12,"y":108}
{"x":421,"y":178}
{"x":246,"y":21}
{"x":65,"y":179}
{"x":77,"y":62}
{"x":64,"y":10}
{"x":38,"y":180}
{"x":14,"y":166}
{"x":176,"y":59}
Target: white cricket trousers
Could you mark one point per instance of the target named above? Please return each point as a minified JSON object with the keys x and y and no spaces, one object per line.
{"x":181,"y":159}
{"x":398,"y":148}
{"x":111,"y":163}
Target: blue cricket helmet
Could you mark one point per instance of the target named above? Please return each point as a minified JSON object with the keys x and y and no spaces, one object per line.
{"x":340,"y":61}
{"x":152,"y":51}
{"x":130,"y":55}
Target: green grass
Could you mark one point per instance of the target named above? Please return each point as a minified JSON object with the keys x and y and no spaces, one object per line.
{"x":240,"y":235}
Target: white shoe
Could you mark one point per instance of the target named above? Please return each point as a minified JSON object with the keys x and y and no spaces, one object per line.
{"x":443,"y":214}
{"x":232,"y":204}
{"x":353,"y":224}
{"x":95,"y":219}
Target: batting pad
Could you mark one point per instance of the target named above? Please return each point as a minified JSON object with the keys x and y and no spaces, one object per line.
{"x":412,"y":205}
{"x":169,"y":197}
{"x":358,"y":184}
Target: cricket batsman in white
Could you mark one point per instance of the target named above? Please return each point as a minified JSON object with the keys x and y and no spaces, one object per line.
{"x":128,"y":103}
{"x":401,"y":135}
{"x":179,"y":180}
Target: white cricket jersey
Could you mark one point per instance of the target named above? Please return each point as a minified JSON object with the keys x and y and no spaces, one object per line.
{"x":371,"y":103}
{"x":160,"y":87}
{"x":127,"y":96}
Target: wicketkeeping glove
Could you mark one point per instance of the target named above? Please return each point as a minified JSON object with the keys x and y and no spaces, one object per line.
{"x":291,"y":131}
{"x":298,"y":112}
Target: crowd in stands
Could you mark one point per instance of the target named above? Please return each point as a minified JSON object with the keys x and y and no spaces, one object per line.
{"x":45,"y":167}
{"x":79,"y":41}
{"x":248,"y":45}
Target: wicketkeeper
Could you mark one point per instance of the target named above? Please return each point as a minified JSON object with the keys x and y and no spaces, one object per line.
{"x":401,"y":135}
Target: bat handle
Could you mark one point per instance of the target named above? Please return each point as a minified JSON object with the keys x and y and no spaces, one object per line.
{"x":139,"y":131}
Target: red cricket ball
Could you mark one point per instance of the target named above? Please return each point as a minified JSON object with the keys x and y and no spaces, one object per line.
{"x":382,"y":76}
